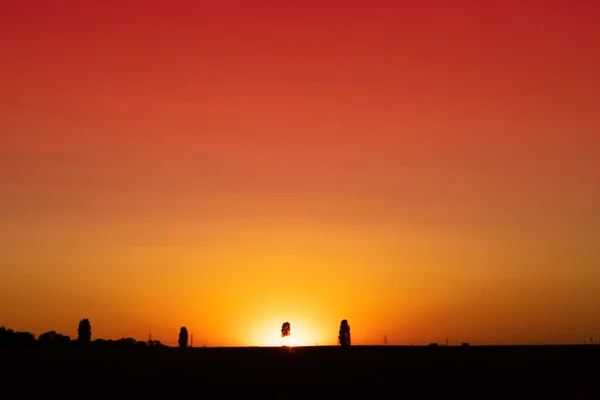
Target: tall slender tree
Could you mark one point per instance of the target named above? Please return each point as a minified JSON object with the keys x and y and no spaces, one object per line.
{"x":183,"y":337}
{"x":84,"y":332}
{"x":344,"y":334}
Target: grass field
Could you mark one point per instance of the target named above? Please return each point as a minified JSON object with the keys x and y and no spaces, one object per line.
{"x":569,"y":372}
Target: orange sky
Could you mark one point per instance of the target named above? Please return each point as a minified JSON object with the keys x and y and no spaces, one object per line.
{"x":424,"y":169}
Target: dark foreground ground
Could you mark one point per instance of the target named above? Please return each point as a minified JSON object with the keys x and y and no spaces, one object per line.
{"x":569,"y":372}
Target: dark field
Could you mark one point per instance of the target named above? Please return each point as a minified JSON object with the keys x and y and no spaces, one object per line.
{"x":569,"y":372}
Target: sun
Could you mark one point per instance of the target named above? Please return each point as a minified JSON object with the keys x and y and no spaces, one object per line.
{"x":287,"y":341}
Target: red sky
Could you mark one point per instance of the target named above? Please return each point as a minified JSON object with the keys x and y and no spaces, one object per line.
{"x":423,"y":169}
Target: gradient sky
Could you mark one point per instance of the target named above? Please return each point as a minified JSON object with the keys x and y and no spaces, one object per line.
{"x":424,"y":169}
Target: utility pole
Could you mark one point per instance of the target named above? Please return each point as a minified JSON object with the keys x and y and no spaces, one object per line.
{"x":192,"y":341}
{"x":385,"y":339}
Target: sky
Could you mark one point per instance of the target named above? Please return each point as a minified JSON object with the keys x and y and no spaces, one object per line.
{"x":424,"y":169}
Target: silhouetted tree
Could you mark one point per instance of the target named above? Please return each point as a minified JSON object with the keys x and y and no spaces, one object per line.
{"x":53,"y":339}
{"x":126,"y":343}
{"x":11,"y":339}
{"x":285,"y":329}
{"x":183,"y":337}
{"x":25,"y":340}
{"x":84,"y":332}
{"x":344,"y":336}
{"x":7,"y":338}
{"x":99,"y":343}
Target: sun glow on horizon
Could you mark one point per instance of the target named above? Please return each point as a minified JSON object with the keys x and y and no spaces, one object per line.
{"x":269,"y":335}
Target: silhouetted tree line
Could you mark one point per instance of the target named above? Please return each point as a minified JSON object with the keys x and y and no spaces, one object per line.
{"x":10,"y":339}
